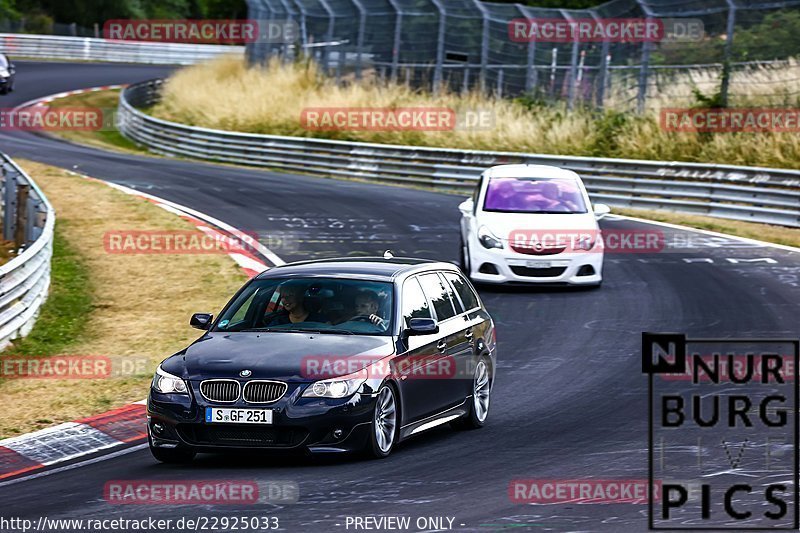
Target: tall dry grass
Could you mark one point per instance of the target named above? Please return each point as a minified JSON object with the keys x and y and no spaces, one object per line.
{"x":225,"y":94}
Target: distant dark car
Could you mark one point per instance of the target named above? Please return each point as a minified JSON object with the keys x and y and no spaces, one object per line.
{"x":7,"y":74}
{"x":340,"y":355}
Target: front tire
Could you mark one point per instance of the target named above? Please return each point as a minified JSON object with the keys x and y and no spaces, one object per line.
{"x":173,"y":456}
{"x":383,"y":434}
{"x":481,"y":398}
{"x":464,"y":259}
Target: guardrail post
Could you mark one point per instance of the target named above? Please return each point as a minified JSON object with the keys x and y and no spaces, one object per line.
{"x":9,"y":201}
{"x":22,"y":214}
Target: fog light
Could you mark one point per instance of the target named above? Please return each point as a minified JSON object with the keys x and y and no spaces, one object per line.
{"x":488,"y":268}
{"x":158,"y":428}
{"x":586,"y":270}
{"x":337,"y":433}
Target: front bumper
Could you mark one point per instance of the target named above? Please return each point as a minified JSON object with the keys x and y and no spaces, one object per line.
{"x":507,"y":266}
{"x":298,"y":424}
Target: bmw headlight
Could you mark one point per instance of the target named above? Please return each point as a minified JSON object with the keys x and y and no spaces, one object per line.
{"x":334,"y":388}
{"x":167,"y":383}
{"x":488,"y":239}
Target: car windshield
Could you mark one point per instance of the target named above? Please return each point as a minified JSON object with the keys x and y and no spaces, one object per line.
{"x":3,"y":61}
{"x":534,"y":195}
{"x":323,"y":305}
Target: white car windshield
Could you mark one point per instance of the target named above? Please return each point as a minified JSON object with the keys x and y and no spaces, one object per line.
{"x":534,"y":195}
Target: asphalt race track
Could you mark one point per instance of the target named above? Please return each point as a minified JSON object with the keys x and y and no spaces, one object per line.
{"x":570,"y":400}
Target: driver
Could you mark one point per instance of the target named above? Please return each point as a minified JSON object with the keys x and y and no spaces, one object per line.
{"x":367,"y":303}
{"x":294,"y":310}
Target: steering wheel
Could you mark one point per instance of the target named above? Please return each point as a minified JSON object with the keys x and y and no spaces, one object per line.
{"x":360,"y":318}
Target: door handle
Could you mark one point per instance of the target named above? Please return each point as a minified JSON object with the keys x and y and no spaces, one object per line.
{"x":442,"y":346}
{"x":468,"y":334}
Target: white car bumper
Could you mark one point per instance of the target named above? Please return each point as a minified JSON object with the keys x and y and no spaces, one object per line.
{"x":574,"y":268}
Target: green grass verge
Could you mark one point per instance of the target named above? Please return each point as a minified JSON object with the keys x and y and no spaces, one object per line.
{"x":64,"y":315}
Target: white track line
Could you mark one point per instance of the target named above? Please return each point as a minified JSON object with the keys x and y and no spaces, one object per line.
{"x":711,"y":233}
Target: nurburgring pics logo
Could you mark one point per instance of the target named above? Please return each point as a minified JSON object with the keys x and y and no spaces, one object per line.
{"x":723,"y":426}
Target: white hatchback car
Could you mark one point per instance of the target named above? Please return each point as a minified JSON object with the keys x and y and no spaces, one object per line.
{"x":532,"y":224}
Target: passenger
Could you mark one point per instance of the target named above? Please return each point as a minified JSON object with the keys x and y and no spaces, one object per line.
{"x":293,"y":310}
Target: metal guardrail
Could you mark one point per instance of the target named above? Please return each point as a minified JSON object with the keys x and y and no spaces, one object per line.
{"x":28,"y":219}
{"x":741,"y":193}
{"x":91,"y":49}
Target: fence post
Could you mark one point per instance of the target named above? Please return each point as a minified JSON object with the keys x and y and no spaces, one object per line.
{"x":726,"y":61}
{"x":484,"y":42}
{"x":326,"y":52}
{"x":644,"y":69}
{"x":398,"y":28}
{"x":531,"y":74}
{"x":9,"y":199}
{"x":362,"y":23}
{"x":603,"y":78}
{"x":573,"y":66}
{"x":437,"y":71}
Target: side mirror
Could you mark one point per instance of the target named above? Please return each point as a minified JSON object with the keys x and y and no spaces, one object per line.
{"x":421,"y":326}
{"x":201,"y":321}
{"x":466,"y":207}
{"x":601,"y":210}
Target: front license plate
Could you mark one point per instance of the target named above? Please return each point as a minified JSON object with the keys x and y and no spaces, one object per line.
{"x":538,"y":264}
{"x":223,"y":415}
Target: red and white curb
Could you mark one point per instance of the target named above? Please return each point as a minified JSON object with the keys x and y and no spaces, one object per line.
{"x":64,"y":442}
{"x":126,"y":425}
{"x":42,"y":102}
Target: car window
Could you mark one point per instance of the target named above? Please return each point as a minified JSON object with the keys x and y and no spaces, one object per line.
{"x":534,"y":195}
{"x":415,"y":305}
{"x":453,"y":298}
{"x":465,"y":292}
{"x":434,"y":289}
{"x":311,"y":304}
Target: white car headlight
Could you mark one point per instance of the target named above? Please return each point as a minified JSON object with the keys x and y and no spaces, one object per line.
{"x":488,"y":239}
{"x":585,"y":242}
{"x":167,"y":383}
{"x":334,"y":388}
